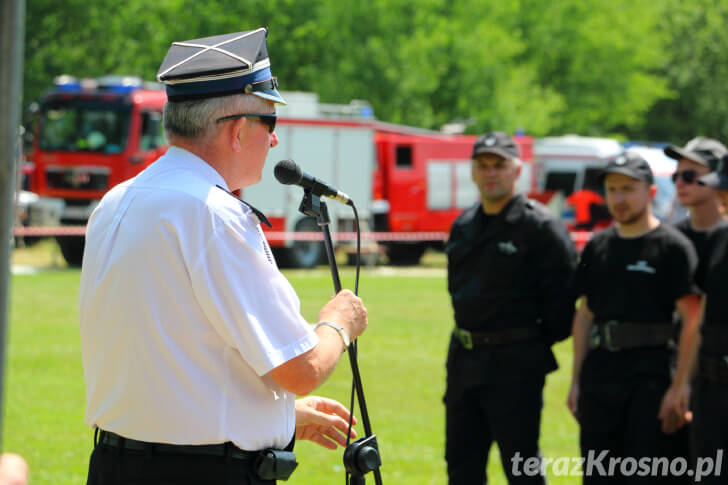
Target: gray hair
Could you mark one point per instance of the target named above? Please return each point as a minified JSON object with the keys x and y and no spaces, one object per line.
{"x":196,"y":120}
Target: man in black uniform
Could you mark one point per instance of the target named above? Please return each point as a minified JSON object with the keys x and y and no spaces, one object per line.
{"x":699,"y":157}
{"x":709,"y":402}
{"x":631,"y":278}
{"x":509,"y":261}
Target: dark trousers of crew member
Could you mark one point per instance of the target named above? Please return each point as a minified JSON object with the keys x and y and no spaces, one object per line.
{"x":494,"y":396}
{"x":620,"y":415}
{"x":117,"y":465}
{"x":709,"y":430}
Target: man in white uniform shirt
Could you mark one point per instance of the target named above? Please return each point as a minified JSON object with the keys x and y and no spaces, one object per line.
{"x":193,"y":343}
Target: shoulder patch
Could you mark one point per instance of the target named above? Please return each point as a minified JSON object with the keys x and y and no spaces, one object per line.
{"x":538,"y":208}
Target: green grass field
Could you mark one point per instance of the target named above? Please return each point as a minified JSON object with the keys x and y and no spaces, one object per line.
{"x":401,"y":358}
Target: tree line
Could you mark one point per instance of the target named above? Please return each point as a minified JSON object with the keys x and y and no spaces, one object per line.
{"x":638,"y":69}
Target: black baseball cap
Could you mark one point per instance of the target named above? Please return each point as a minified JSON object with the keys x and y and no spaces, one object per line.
{"x":702,"y":150}
{"x":496,"y":142}
{"x":719,"y":179}
{"x":631,"y":165}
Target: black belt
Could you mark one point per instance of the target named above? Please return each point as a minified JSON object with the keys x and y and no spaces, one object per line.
{"x":470,"y":339}
{"x":619,"y":335}
{"x":714,"y":369}
{"x":222,"y":449}
{"x":267,"y":464}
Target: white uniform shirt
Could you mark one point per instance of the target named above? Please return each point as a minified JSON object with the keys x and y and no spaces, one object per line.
{"x":183,"y":312}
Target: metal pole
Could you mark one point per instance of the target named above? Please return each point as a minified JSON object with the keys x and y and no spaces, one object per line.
{"x":12,"y":22}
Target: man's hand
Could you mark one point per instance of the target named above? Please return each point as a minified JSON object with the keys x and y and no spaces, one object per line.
{"x":674,"y":412}
{"x":347,"y":310}
{"x":323,"y":421}
{"x":572,"y":401}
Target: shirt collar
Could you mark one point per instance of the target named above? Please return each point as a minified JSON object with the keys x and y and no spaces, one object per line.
{"x":208,"y":173}
{"x":261,"y":217}
{"x":198,"y":165}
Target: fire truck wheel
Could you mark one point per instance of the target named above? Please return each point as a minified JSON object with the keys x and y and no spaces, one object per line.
{"x":72,"y":249}
{"x":302,"y":254}
{"x":405,"y":254}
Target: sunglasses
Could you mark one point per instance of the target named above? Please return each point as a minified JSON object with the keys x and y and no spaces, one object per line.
{"x":687,"y":176}
{"x":268,"y":119}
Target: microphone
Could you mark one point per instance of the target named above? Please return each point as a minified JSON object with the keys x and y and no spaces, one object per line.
{"x":288,"y":173}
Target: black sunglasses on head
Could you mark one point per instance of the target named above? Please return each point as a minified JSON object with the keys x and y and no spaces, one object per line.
{"x":268,"y":119}
{"x":688,"y":176}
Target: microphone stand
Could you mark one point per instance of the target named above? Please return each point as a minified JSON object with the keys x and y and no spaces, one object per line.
{"x":362,"y":455}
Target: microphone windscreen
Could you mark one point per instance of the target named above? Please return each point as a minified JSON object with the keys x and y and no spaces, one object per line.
{"x":287,"y":172}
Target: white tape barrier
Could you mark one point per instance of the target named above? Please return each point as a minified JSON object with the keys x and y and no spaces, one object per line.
{"x":41,"y":231}
{"x":579,"y":237}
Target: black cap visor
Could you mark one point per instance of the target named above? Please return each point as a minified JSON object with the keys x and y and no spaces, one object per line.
{"x":625,"y":171}
{"x":677,"y":153}
{"x":493,"y":151}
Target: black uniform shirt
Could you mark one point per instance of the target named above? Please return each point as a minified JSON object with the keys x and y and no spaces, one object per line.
{"x":702,"y":242}
{"x":716,"y":283}
{"x":635,"y":280}
{"x":511,"y":270}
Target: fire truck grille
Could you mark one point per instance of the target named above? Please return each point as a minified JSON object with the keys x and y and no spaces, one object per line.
{"x":77,"y":178}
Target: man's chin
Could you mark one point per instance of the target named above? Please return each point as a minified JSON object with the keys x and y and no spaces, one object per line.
{"x":627,"y":219}
{"x":495,"y":196}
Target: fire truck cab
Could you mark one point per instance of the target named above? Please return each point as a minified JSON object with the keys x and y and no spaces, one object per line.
{"x":91,"y":135}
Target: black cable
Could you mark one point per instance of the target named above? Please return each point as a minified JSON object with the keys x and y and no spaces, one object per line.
{"x":353,"y":346}
{"x":358,"y":248}
{"x":353,"y":356}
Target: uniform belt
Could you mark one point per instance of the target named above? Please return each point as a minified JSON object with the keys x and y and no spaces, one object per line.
{"x":615,"y":335}
{"x":221,"y":449}
{"x":470,"y":339}
{"x":714,"y":339}
{"x":714,"y":369}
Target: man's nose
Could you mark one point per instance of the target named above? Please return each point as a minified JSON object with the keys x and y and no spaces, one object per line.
{"x":273,"y":139}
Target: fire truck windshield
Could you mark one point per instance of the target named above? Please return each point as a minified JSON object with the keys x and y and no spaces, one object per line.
{"x":80,"y":125}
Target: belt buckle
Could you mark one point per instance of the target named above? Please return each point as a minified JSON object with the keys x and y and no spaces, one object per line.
{"x":608,"y":335}
{"x":594,"y":338}
{"x":465,"y":338}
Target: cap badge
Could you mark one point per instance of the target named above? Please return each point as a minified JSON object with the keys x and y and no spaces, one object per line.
{"x":490,"y":140}
{"x":620,"y":160}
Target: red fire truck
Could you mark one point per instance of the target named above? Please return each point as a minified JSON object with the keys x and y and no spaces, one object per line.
{"x":405,"y":181}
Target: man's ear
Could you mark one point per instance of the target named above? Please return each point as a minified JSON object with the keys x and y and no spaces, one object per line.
{"x":237,"y":131}
{"x":653,"y":191}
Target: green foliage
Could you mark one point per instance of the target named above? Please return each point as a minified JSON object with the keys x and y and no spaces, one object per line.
{"x":638,"y":68}
{"x":603,"y":59}
{"x":697,"y":72}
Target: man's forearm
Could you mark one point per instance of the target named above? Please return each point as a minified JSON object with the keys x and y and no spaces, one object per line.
{"x":580,"y":334}
{"x":689,"y":344}
{"x":306,"y":372}
{"x":687,"y":355}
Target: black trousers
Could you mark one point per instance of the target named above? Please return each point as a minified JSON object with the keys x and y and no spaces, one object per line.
{"x":114,"y":466}
{"x":709,"y":430}
{"x":620,"y":416}
{"x":494,"y":396}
